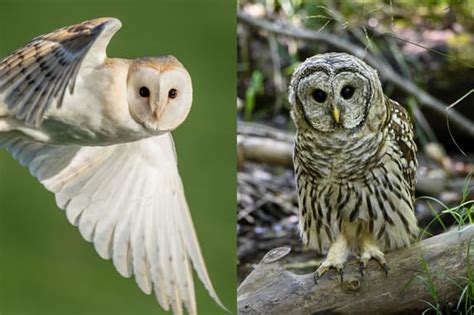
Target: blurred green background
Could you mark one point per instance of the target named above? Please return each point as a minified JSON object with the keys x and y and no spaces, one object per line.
{"x":45,"y":265}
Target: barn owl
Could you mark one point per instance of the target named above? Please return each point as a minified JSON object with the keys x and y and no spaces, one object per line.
{"x":354,"y":160}
{"x":95,"y":131}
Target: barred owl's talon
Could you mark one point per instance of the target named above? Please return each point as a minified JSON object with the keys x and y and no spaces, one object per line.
{"x":336,"y":258}
{"x":361,"y":268}
{"x":322,"y":269}
{"x":325,"y":267}
{"x":370,"y":250}
{"x":341,"y":274}
{"x":382,"y":263}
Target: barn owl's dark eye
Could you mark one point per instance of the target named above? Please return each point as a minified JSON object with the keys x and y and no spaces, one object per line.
{"x":144,"y":91}
{"x":172,"y":93}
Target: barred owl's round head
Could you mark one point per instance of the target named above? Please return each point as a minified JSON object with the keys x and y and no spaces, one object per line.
{"x":335,"y":91}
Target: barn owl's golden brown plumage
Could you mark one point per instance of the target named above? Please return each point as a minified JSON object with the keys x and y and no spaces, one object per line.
{"x":96,"y":132}
{"x":354,"y":161}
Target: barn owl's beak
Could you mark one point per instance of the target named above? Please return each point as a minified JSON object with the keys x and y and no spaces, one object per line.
{"x":159,"y":106}
{"x":336,"y":113}
{"x":158,"y":112}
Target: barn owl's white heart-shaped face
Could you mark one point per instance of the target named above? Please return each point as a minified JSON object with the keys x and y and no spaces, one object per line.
{"x":159,"y":92}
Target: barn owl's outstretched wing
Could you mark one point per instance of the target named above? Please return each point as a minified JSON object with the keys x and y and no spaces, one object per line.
{"x":34,"y":76}
{"x":128,"y":200}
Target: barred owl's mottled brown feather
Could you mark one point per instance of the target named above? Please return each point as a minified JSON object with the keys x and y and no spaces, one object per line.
{"x":354,"y":161}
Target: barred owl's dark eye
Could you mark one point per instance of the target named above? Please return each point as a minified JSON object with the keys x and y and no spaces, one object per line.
{"x":144,"y":92}
{"x":347,"y":92}
{"x":319,"y":95}
{"x":172,"y":93}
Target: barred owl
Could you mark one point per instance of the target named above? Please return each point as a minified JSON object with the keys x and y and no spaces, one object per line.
{"x":354,"y":160}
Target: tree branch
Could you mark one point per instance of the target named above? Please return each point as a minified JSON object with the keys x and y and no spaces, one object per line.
{"x":270,"y":289}
{"x":385,"y":70}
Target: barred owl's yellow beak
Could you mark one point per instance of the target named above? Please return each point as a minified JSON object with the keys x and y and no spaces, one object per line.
{"x":336,"y":113}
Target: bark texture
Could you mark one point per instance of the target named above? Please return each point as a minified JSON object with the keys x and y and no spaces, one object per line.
{"x":270,"y":289}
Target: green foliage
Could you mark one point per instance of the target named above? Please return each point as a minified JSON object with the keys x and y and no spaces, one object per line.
{"x":402,"y":13}
{"x":427,"y":280}
{"x":463,"y":213}
{"x":465,"y":283}
{"x":394,"y":32}
{"x":466,"y":300}
{"x":254,"y":88}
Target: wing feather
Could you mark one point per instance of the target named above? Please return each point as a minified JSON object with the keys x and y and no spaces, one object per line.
{"x":122,"y":252}
{"x":128,"y":200}
{"x":104,"y":231}
{"x":34,"y":76}
{"x":402,"y":133}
